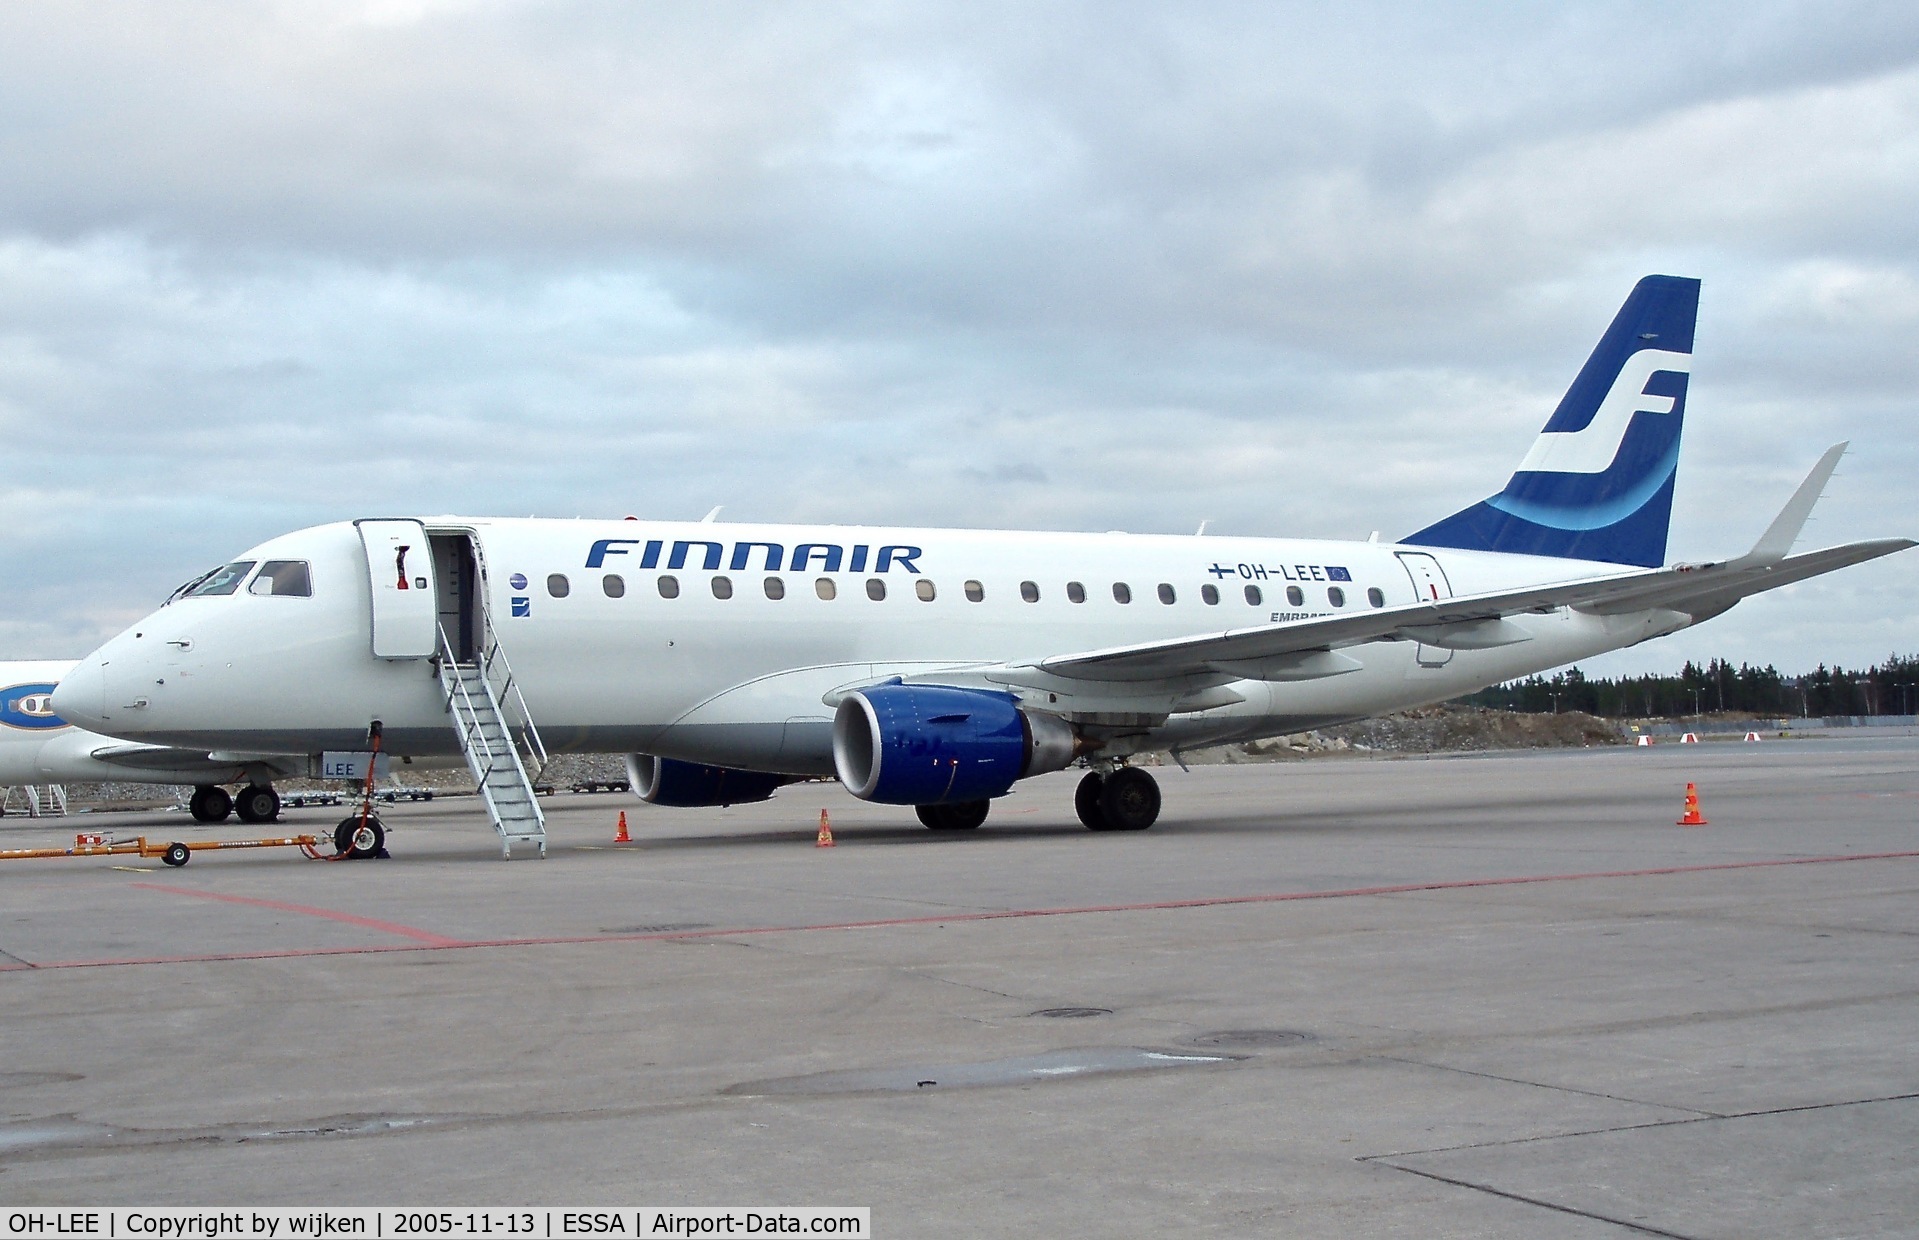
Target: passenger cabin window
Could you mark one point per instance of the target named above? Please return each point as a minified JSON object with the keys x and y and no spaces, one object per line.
{"x":669,"y":586}
{"x":1253,"y":596}
{"x":1029,"y":590}
{"x":924,"y":588}
{"x":775,"y":588}
{"x":1376,"y":596}
{"x":283,"y":579}
{"x":1209,"y":595}
{"x":975,"y":592}
{"x":558,"y":586}
{"x":223,"y":580}
{"x":614,"y":585}
{"x":722,"y":587}
{"x":1075,"y":592}
{"x":1122,"y":593}
{"x":1166,"y":594}
{"x":825,"y":588}
{"x":875,"y":589}
{"x":1295,"y":596}
{"x":1336,"y":596}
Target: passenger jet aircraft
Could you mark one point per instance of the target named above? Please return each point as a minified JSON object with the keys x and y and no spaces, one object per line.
{"x":37,"y":746}
{"x":935,"y":668}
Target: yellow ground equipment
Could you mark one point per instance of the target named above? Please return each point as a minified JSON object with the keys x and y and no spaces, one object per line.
{"x":175,"y":853}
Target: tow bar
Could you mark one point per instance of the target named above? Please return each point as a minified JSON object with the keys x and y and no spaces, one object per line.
{"x":175,"y":853}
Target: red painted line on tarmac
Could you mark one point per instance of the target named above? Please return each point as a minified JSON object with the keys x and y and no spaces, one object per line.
{"x":369,"y":923}
{"x":433,"y":942}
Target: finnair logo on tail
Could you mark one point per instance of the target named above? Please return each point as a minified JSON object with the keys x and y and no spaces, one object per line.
{"x":1593,"y":448}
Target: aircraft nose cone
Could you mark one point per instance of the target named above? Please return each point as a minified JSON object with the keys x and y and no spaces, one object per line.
{"x":81,"y":695}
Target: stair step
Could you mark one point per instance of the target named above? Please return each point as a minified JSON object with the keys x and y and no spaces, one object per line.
{"x":492,"y":753}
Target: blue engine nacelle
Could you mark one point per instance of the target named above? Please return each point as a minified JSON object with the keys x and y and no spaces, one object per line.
{"x":936,"y":745}
{"x":668,"y":781}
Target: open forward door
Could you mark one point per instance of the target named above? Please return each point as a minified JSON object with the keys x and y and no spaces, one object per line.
{"x":399,"y":563}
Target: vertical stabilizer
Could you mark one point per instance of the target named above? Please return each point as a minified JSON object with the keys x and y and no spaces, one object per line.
{"x":1598,"y":482}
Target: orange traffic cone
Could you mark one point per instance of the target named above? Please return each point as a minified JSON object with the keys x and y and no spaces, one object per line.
{"x":1692,"y":817}
{"x":826,"y":832}
{"x":622,"y":837}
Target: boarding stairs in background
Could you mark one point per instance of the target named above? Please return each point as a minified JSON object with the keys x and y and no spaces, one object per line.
{"x":498,"y":737}
{"x":39,"y":800}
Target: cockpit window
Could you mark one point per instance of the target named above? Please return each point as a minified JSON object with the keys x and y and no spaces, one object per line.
{"x":223,"y":580}
{"x":285,"y":578}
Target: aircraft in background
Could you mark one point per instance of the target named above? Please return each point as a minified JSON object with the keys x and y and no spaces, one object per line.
{"x":935,"y":668}
{"x":38,"y":747}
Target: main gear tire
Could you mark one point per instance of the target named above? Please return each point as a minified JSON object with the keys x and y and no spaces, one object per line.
{"x":1130,"y":800}
{"x":1086,"y":802}
{"x":257,"y":803}
{"x":210,"y":803}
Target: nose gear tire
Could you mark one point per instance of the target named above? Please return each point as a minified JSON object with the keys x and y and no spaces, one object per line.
{"x":352,"y":840}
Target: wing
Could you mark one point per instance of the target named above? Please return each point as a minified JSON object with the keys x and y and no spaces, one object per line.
{"x":185,"y":761}
{"x":1467,"y":622}
{"x":1304,"y":649}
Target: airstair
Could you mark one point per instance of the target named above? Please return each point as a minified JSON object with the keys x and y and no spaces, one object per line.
{"x":495,"y":729}
{"x":42,"y":800}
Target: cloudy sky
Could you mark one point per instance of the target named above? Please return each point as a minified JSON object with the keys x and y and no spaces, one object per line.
{"x":1294,"y":269}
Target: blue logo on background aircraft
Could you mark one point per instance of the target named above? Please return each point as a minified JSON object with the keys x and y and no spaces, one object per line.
{"x":1598,"y":482}
{"x":29,"y":706}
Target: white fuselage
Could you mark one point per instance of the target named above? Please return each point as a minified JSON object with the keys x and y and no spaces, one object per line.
{"x":38,"y":747}
{"x":748,"y":680}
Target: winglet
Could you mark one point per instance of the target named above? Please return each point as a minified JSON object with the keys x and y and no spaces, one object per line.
{"x":1776,"y":543}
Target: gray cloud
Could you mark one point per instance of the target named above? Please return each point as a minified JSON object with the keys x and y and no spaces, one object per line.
{"x":1319,"y":271}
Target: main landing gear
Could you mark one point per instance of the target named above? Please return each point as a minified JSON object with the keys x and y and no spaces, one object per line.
{"x":255,"y":803}
{"x":1126,"y":799}
{"x":1123,"y":799}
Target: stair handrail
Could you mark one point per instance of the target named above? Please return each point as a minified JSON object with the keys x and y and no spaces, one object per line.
{"x":510,"y":695}
{"x":471,"y":731}
{"x":455,"y":686}
{"x":508,"y":692}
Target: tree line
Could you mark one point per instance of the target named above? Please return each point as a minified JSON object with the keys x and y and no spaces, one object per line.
{"x":1887,"y":688}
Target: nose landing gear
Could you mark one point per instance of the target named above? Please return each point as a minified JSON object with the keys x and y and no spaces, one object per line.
{"x":360,"y":838}
{"x":1126,"y":799}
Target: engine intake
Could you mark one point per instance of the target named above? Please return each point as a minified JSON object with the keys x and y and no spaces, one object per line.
{"x":669,"y":781}
{"x":935,"y":744}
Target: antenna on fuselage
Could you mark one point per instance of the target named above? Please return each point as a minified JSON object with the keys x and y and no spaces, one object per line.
{"x":713,"y":516}
{"x":1202,"y":527}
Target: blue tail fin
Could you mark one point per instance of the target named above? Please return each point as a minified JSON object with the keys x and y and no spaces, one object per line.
{"x":1598,"y":482}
